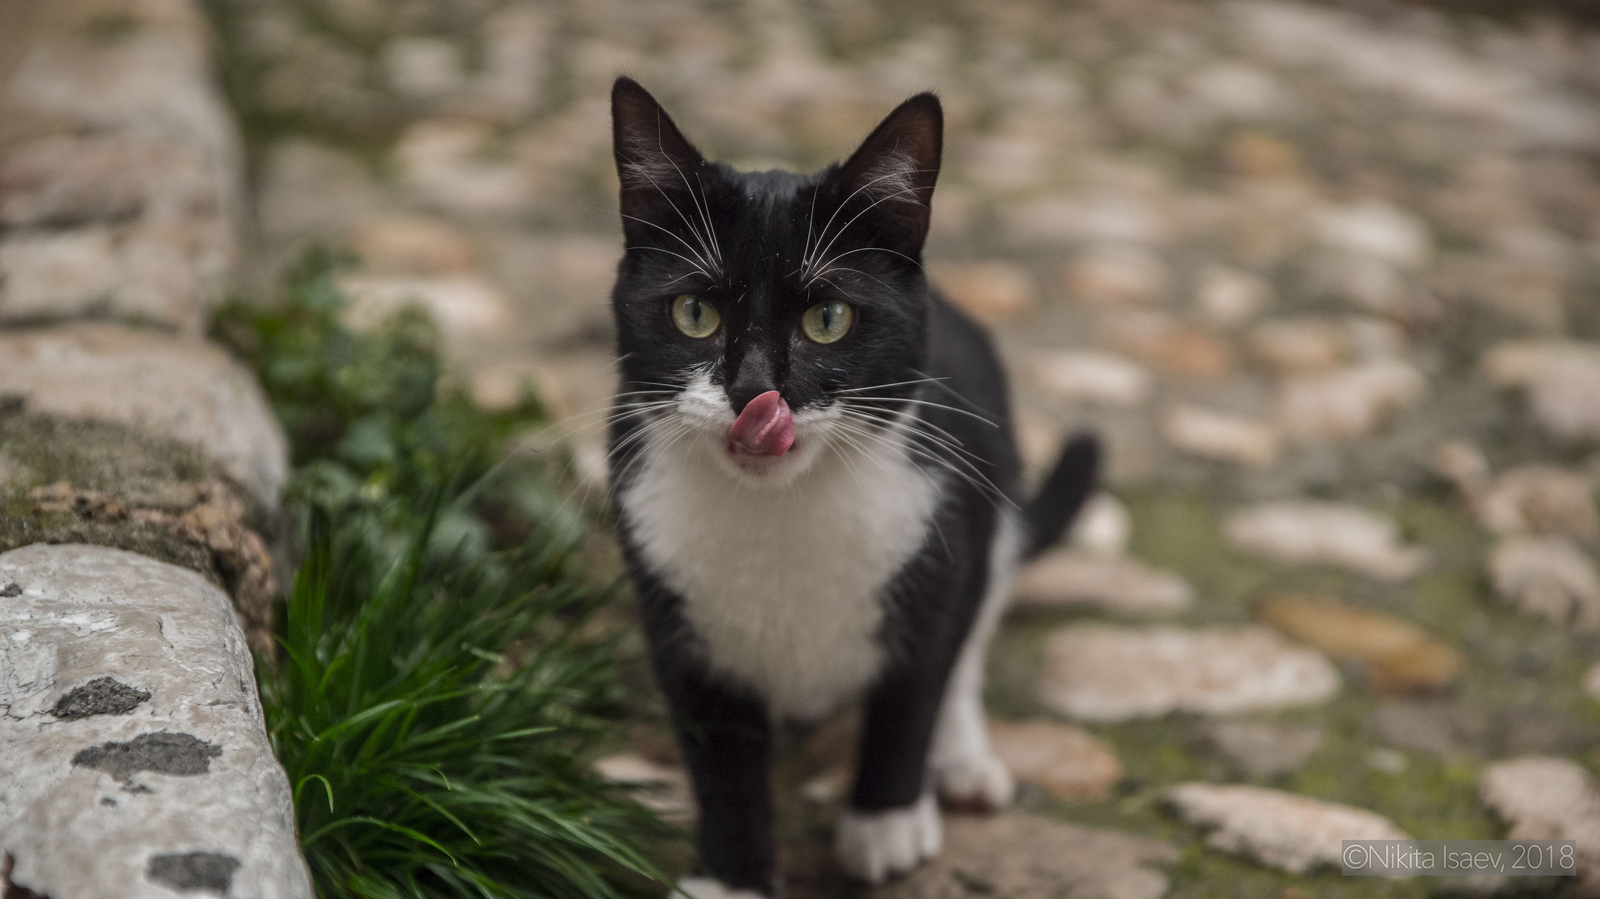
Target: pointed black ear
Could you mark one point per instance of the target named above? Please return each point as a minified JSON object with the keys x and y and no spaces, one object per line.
{"x":654,"y":161}
{"x":897,"y":165}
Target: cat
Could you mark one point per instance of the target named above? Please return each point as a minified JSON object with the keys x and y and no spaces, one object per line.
{"x":815,"y":483}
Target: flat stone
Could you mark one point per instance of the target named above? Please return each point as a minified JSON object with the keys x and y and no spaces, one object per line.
{"x":167,"y":274}
{"x":1348,"y":403}
{"x":1562,"y":378}
{"x":1307,"y":532}
{"x":1091,"y":376}
{"x":412,"y":245}
{"x":1547,"y":576}
{"x":1228,"y":296}
{"x":1540,"y":499}
{"x":992,"y":291}
{"x":1397,"y":656}
{"x":1103,"y":673}
{"x":1299,"y":346}
{"x":1111,"y":216}
{"x":1255,"y":154}
{"x":153,"y":82}
{"x":1263,"y":748}
{"x":1310,"y":345}
{"x":1068,"y":762}
{"x":1205,"y":432}
{"x":1115,"y":583}
{"x":63,"y":181}
{"x":1023,"y":856}
{"x":1547,"y":798}
{"x":1457,"y":730}
{"x":1102,"y":526}
{"x":182,"y":389}
{"x":91,"y":803}
{"x":1375,"y":228}
{"x":1282,"y":830}
{"x":1162,"y":342}
{"x":1115,"y":274}
{"x":663,"y":788}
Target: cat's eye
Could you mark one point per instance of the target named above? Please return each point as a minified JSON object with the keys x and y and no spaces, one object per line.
{"x":827,"y":322}
{"x":694,"y":316}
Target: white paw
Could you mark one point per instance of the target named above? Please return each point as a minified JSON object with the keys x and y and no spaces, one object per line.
{"x":876,"y":845}
{"x":706,"y":888}
{"x":976,"y":784}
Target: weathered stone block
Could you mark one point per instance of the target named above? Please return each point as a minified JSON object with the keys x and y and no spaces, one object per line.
{"x":137,"y":763}
{"x":176,"y":388}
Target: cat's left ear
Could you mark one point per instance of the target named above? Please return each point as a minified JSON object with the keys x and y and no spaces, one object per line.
{"x":654,"y":160}
{"x":896,"y":167}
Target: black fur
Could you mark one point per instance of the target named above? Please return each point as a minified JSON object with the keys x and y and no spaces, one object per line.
{"x":763,"y":223}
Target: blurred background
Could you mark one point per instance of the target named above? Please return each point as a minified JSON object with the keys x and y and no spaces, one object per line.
{"x":1324,"y":276}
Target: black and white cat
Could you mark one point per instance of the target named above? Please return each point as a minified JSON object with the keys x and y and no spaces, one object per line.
{"x":815,"y":483}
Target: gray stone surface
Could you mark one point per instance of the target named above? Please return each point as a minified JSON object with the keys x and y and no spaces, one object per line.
{"x":1322,"y":533}
{"x":128,"y":796}
{"x":1288,"y":831}
{"x":1549,"y":798}
{"x":1021,"y":856}
{"x":181,"y":389}
{"x":1102,"y":673}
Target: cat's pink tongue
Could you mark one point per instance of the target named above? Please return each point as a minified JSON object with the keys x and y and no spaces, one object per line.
{"x":764,"y":428}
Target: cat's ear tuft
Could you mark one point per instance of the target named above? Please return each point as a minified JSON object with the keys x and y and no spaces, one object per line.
{"x":654,"y":160}
{"x":897,"y":165}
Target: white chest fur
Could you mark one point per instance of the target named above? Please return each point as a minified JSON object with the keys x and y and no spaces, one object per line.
{"x":784,"y":586}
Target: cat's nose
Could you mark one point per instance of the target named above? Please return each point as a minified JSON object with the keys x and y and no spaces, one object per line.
{"x":753,"y":378}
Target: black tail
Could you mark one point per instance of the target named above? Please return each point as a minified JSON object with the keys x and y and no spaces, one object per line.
{"x":1061,"y":496}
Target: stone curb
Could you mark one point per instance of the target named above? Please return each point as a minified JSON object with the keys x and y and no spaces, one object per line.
{"x":136,"y":762}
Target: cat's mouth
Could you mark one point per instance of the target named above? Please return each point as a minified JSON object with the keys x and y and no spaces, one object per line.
{"x":764,"y":428}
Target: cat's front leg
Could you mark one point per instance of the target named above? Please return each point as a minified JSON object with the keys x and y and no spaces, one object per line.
{"x":892,"y":824}
{"x":726,"y":740}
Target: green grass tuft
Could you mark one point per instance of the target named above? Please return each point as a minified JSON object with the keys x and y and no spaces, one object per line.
{"x":435,"y":718}
{"x":440,"y":692}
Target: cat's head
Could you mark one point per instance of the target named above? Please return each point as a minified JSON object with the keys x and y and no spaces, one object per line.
{"x":764,"y":316}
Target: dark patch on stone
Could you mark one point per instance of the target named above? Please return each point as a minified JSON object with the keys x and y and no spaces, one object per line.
{"x":194,"y":871}
{"x":1456,"y":731}
{"x":11,"y":590}
{"x":183,"y":755}
{"x":12,"y":403}
{"x":101,"y":696}
{"x":10,"y":890}
{"x":107,"y":800}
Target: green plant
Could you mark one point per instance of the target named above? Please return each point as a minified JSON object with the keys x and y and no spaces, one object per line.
{"x":435,"y":717}
{"x":437,"y":700}
{"x":375,"y":422}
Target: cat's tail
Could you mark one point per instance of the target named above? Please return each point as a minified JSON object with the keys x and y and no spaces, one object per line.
{"x":1047,"y":515}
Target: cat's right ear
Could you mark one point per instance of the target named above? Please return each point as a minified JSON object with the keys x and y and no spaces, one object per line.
{"x":654,"y":161}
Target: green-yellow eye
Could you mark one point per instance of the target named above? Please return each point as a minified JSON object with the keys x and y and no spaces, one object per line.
{"x":694,"y":316}
{"x":827,"y":322}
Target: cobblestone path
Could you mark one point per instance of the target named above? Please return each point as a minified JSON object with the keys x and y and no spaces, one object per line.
{"x":1328,"y":282}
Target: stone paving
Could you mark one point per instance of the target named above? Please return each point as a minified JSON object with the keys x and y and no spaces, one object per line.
{"x":1325,"y":280}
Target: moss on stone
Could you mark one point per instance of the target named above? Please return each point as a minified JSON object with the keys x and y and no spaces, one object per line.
{"x":95,"y":455}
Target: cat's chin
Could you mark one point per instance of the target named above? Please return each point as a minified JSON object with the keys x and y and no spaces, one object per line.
{"x":764,"y":469}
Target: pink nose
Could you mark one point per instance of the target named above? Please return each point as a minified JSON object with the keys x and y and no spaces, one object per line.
{"x":764,"y":428}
